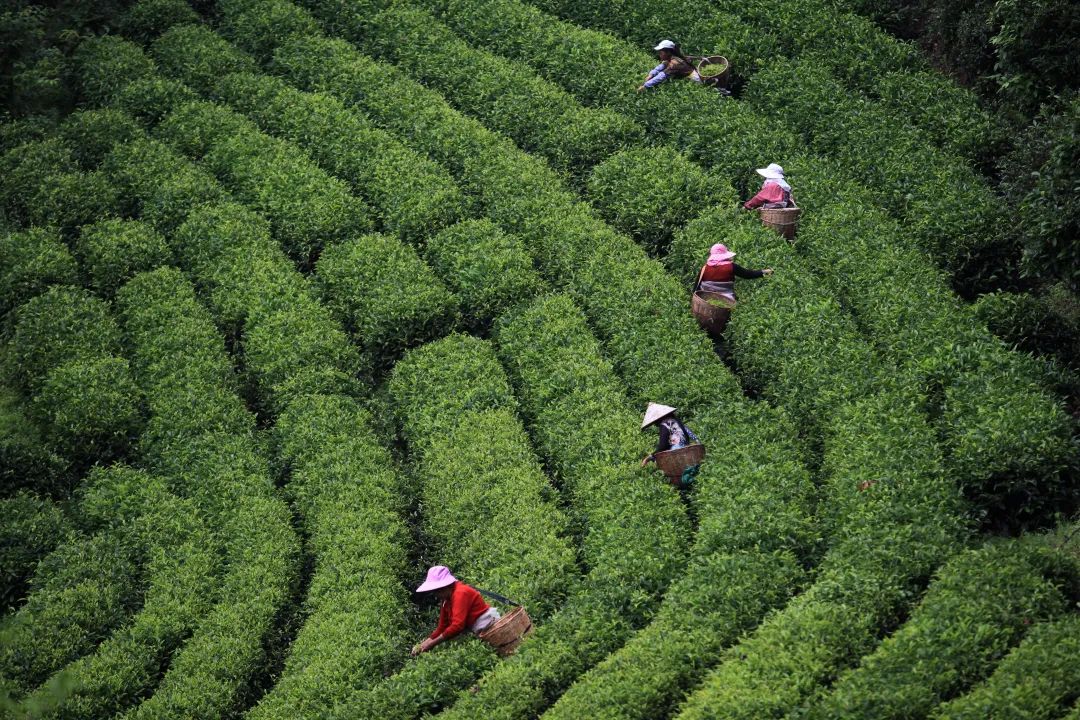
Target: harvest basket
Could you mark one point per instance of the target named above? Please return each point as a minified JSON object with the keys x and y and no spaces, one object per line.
{"x":718,"y":69}
{"x":506,"y":633}
{"x":712,"y":310}
{"x":673,"y":462}
{"x":782,"y":220}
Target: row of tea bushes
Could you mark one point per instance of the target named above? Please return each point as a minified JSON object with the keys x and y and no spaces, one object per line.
{"x":32,"y":527}
{"x":977,"y":607}
{"x":633,"y":531}
{"x":1034,"y":680}
{"x":201,"y":437}
{"x":32,"y":260}
{"x":488,"y":509}
{"x":180,"y":573}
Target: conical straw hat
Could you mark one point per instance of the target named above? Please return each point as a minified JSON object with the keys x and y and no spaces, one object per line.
{"x":654,"y":412}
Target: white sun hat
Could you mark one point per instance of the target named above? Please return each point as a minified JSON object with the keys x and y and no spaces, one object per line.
{"x":665,"y":45}
{"x":773,"y":172}
{"x":654,"y":412}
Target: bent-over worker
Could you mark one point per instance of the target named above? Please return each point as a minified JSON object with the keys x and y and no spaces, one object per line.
{"x":775,"y":191}
{"x":462,"y":608}
{"x":720,"y":270}
{"x":673,"y":434}
{"x":673,"y":64}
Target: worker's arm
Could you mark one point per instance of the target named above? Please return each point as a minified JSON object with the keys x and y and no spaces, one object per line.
{"x":748,"y":274}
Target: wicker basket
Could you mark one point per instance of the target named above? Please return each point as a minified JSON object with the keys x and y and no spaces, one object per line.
{"x":673,"y":462}
{"x":506,"y":633}
{"x":719,"y":80}
{"x":711,"y":317}
{"x":782,"y":220}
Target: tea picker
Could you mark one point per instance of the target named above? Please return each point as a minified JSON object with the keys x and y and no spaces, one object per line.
{"x":778,"y":209}
{"x":463,"y":608}
{"x":678,"y":451}
{"x":710,"y":70}
{"x":714,"y":292}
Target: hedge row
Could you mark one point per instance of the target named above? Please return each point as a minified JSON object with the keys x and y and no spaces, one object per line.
{"x":32,"y":527}
{"x":181,"y":573}
{"x":32,"y":260}
{"x":489,"y":509}
{"x":201,"y":437}
{"x":894,"y":517}
{"x":949,"y":210}
{"x":634,"y":529}
{"x":307,"y":209}
{"x":79,"y":593}
{"x":977,"y":607}
{"x":413,"y":197}
{"x":1035,"y":680}
{"x":113,"y":251}
{"x":345,"y":489}
{"x":64,"y":346}
{"x":26,"y":461}
{"x":1006,"y":436}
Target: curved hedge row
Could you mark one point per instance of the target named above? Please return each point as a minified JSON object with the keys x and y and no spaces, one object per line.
{"x":113,"y":251}
{"x":32,"y":260}
{"x":488,"y":507}
{"x":634,"y":530}
{"x":181,"y":573}
{"x":1035,"y":680}
{"x":79,"y":593}
{"x":976,"y":608}
{"x":413,"y":196}
{"x":200,"y":436}
{"x":31,"y":528}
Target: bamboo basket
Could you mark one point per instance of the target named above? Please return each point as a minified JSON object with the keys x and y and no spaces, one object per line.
{"x":782,"y":220}
{"x":720,"y":80}
{"x":673,"y":462}
{"x":712,"y":318}
{"x":506,"y":633}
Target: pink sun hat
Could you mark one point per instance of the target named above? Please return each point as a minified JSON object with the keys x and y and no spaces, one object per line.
{"x":437,"y":577}
{"x":718,"y":253}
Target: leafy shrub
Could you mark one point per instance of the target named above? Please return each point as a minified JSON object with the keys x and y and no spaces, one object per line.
{"x":150,"y":99}
{"x":490,"y":270}
{"x":537,"y":115}
{"x":113,"y":251}
{"x":32,"y":260}
{"x":650,"y":193}
{"x":414,"y":197}
{"x":37,"y":86}
{"x":146,"y":19}
{"x":164,"y":186}
{"x":79,"y":593}
{"x":69,"y":200}
{"x":197,"y":56}
{"x":478,"y":472}
{"x":60,"y":325}
{"x":26,"y":460}
{"x":91,"y":408}
{"x":1028,"y":321}
{"x":387,"y":296}
{"x":260,"y":28}
{"x":32,"y":528}
{"x":91,"y":134}
{"x":105,"y":64}
{"x":1034,"y":680}
{"x":975,"y":609}
{"x":24,"y":167}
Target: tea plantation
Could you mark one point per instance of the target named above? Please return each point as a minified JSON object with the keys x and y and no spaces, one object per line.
{"x":301,"y":297}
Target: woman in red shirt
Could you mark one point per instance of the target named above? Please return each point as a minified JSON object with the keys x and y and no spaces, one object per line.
{"x":720,"y":270}
{"x":775,"y":191}
{"x":462,"y":608}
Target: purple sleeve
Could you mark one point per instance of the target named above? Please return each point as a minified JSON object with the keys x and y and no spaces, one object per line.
{"x":656,"y":79}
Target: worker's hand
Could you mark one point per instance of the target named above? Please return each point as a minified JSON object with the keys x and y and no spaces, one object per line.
{"x":640,"y":88}
{"x":425,"y":645}
{"x":645,"y":460}
{"x":767,"y":271}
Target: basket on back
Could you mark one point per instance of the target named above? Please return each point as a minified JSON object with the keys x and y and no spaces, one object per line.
{"x":782,"y":220}
{"x":712,"y":311}
{"x":714,"y":70}
{"x":506,"y":633}
{"x":673,"y":462}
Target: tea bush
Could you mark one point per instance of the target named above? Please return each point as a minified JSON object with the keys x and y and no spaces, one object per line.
{"x":113,"y":251}
{"x":376,"y":272}
{"x":1035,"y":680}
{"x":145,"y":20}
{"x":104,"y":65}
{"x":32,"y":528}
{"x":488,"y":508}
{"x":973,"y":612}
{"x":197,"y":56}
{"x":91,"y":134}
{"x":32,"y":260}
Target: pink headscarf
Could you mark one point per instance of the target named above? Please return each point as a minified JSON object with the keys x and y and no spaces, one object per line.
{"x":719,"y":253}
